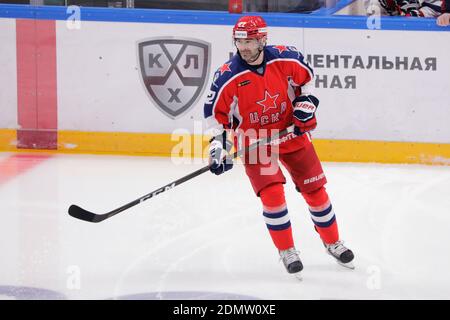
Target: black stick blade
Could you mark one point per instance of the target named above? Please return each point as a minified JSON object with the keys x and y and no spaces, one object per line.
{"x":80,"y":213}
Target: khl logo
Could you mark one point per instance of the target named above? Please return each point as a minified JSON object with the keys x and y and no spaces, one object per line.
{"x":174,"y":71}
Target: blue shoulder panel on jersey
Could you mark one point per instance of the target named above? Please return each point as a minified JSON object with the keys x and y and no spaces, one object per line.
{"x":226,"y":71}
{"x":281,"y":51}
{"x":293,"y":20}
{"x":287,"y":52}
{"x":221,"y":76}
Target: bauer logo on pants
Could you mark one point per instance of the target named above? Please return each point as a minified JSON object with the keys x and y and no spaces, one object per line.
{"x":174,"y":72}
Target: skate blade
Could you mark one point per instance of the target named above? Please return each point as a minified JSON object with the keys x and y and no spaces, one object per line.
{"x":348,"y":265}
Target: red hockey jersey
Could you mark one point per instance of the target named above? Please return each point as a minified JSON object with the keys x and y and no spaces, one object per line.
{"x":256,"y":100}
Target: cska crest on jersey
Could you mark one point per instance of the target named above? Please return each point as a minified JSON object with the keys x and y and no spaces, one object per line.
{"x":246,"y":97}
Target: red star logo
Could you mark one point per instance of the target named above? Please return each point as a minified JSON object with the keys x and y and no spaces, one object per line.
{"x":225,"y":68}
{"x":269,"y":102}
{"x":281,"y":48}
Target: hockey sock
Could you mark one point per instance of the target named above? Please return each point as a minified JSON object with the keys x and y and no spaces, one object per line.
{"x":276,"y":216}
{"x":322,"y":215}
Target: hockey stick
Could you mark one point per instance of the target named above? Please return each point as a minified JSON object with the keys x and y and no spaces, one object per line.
{"x":79,"y":213}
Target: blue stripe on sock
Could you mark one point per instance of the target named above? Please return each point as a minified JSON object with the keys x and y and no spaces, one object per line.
{"x":325,"y":224}
{"x":322,"y":213}
{"x":275,"y":215}
{"x":279,"y":227}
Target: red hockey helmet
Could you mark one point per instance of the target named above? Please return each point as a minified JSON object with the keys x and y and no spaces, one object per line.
{"x":250,"y":27}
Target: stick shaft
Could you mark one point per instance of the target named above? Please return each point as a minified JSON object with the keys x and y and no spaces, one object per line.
{"x":82,"y":214}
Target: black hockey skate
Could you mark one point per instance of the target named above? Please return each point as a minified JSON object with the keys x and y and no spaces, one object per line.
{"x":291,"y":261}
{"x":342,"y":254}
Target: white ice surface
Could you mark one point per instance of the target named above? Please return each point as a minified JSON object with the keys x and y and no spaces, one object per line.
{"x":208,"y":236}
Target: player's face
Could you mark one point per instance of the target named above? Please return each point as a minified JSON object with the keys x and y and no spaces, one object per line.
{"x":248,"y":48}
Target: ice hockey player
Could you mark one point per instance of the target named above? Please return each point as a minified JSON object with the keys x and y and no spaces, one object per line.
{"x":264,"y":89}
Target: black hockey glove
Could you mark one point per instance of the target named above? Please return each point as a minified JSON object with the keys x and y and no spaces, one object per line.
{"x":304,"y":114}
{"x":219,"y":159}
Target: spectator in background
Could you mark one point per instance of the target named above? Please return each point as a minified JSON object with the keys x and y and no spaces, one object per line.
{"x":439,"y":9}
{"x":443,"y":20}
{"x":387,"y":7}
